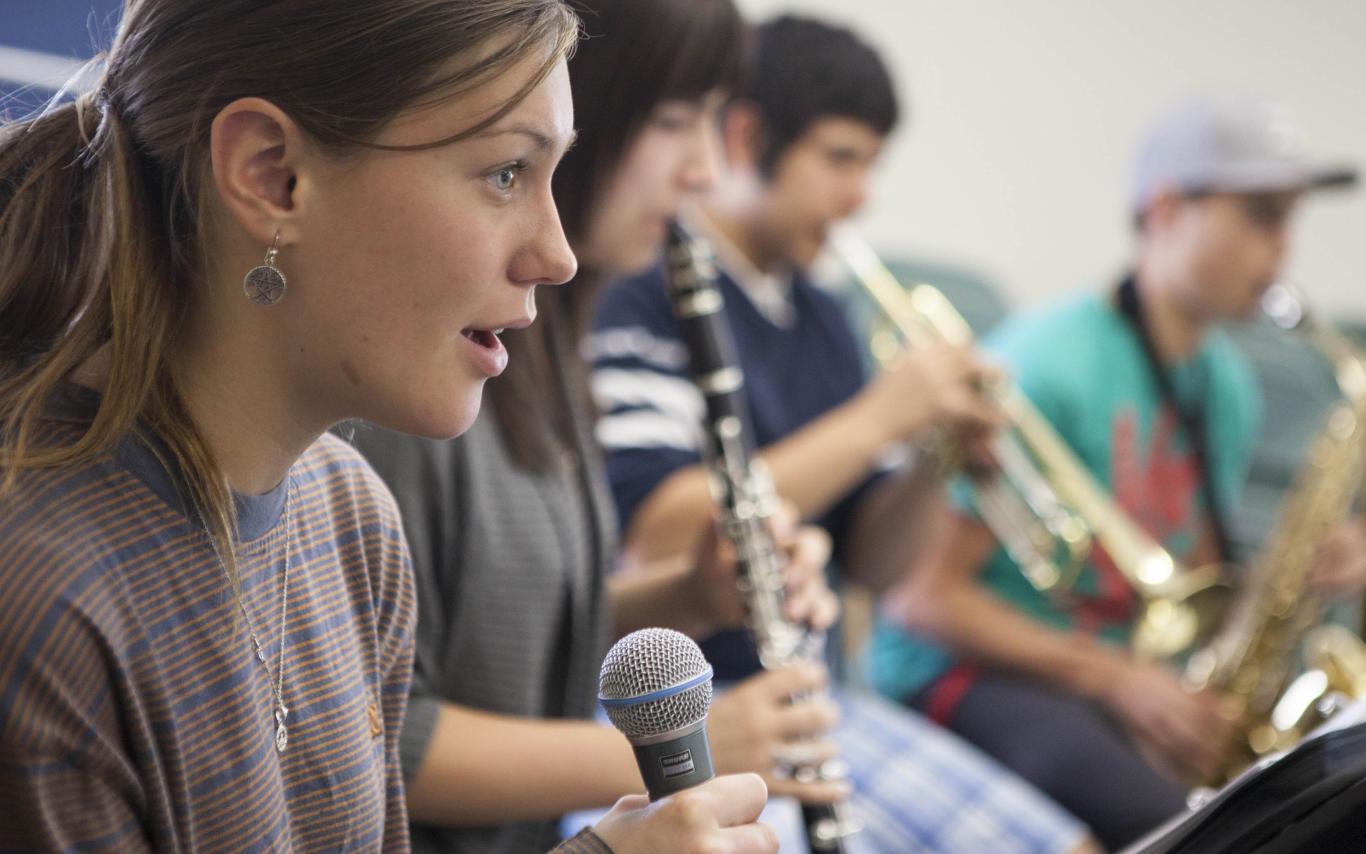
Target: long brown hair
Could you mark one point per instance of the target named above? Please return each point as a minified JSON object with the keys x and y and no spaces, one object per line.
{"x":101,"y":215}
{"x":635,"y":55}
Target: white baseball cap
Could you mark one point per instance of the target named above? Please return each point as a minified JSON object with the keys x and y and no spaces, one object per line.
{"x":1231,"y":145}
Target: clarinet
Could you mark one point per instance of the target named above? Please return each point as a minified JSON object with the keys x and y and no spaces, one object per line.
{"x":744,"y":493}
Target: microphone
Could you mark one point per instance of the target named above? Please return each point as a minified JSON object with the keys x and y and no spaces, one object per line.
{"x":656,"y":688}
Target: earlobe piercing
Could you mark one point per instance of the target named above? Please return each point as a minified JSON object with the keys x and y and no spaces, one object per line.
{"x":265,"y":285}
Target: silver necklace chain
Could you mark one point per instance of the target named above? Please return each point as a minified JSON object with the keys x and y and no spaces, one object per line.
{"x":275,"y":680}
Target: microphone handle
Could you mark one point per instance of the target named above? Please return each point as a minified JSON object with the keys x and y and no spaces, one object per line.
{"x":674,"y":761}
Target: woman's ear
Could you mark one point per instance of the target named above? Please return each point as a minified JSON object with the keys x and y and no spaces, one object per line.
{"x":260,"y":164}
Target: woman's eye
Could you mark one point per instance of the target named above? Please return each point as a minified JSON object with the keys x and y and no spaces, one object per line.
{"x":506,"y":178}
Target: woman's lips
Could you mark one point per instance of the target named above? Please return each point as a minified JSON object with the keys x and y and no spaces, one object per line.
{"x":487,"y":352}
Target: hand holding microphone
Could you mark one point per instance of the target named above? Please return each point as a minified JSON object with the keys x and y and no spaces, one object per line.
{"x":716,"y":816}
{"x":656,"y":687}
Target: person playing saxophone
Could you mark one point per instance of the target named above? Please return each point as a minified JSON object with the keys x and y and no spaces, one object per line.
{"x":1161,"y":409}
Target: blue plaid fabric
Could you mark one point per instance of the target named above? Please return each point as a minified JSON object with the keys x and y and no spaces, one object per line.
{"x":919,"y":789}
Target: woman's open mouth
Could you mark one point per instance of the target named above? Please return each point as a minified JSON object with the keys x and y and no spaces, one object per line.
{"x":486,"y":350}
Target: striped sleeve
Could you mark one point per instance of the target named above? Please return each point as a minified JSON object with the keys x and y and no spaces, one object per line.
{"x":66,"y":780}
{"x":651,"y":413}
{"x":395,"y":604}
{"x":396,"y":649}
{"x":583,"y":842}
{"x":420,"y":474}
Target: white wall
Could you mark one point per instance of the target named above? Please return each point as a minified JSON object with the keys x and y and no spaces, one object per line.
{"x":1024,"y":117}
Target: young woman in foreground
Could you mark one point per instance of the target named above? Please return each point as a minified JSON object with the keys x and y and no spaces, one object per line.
{"x":268,"y":218}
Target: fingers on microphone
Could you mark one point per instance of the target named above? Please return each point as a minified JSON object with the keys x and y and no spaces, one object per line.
{"x":750,"y":839}
{"x":733,"y":799}
{"x":633,"y":802}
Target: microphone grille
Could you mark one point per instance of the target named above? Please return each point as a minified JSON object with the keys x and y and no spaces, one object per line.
{"x":654,"y":662}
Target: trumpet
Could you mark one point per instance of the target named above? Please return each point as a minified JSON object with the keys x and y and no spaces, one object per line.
{"x":1042,"y":535}
{"x":1041,"y":502}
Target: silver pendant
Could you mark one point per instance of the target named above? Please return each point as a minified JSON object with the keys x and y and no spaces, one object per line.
{"x":281,"y":734}
{"x":264,"y":285}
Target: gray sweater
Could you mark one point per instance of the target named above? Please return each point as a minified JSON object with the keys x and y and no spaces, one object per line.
{"x":511,"y":610}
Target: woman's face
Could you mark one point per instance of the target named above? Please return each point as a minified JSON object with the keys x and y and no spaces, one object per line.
{"x":672,"y":158}
{"x":412,"y":261}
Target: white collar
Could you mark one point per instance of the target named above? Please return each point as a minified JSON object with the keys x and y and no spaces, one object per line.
{"x":769,"y":292}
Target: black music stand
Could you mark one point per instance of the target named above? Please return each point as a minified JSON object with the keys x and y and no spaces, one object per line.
{"x":1309,"y":799}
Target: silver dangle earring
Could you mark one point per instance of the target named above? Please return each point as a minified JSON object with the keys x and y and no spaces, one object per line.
{"x":265,"y":285}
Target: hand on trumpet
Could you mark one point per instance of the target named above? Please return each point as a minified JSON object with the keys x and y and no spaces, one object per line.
{"x":932,"y":388}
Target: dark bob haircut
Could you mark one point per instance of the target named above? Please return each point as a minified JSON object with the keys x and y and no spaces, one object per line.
{"x":636,"y":54}
{"x":806,"y":70}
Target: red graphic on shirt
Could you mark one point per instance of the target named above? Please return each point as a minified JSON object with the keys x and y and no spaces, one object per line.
{"x":1157,"y":491}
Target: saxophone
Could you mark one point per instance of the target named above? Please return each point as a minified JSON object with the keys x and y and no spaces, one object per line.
{"x":1249,"y":662}
{"x":745,"y":496}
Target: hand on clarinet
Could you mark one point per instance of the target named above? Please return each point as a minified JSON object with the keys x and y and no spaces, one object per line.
{"x":719,"y":816}
{"x":758,"y":726}
{"x":809,"y":599}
